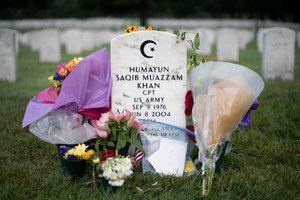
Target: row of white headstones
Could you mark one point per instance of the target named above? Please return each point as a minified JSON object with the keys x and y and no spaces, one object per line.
{"x":276,"y":44}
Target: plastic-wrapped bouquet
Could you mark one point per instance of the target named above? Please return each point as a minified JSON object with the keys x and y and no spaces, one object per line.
{"x":60,"y":114}
{"x":222,"y":95}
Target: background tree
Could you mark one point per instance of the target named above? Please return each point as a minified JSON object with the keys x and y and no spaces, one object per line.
{"x":250,"y":9}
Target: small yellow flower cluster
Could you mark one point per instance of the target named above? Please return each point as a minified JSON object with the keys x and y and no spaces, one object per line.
{"x":133,"y":28}
{"x":80,"y":152}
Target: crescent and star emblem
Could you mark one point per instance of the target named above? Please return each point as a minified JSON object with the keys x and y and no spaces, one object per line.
{"x":143,"y":45}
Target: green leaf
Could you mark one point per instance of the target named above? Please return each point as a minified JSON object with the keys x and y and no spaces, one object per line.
{"x":111,"y":144}
{"x":183,"y":35}
{"x":121,"y":140}
{"x":124,"y":128}
{"x":195,"y":62}
{"x":177,"y":33}
{"x":197,"y":41}
{"x":133,"y":140}
{"x":136,"y":143}
{"x":97,"y":146}
{"x":113,"y":131}
{"x":191,"y":44}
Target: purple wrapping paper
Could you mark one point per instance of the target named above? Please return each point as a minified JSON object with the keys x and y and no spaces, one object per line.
{"x":246,"y":121}
{"x":88,"y":86}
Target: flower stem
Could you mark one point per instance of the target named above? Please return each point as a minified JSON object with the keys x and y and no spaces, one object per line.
{"x":94,"y":179}
{"x":207,"y":181}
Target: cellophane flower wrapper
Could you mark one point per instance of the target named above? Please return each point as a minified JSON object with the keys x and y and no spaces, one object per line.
{"x":223,"y":93}
{"x":85,"y":91}
{"x":151,"y":136}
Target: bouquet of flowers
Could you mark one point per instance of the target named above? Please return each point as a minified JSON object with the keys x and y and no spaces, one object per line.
{"x":60,"y":114}
{"x":116,"y":130}
{"x":222,"y":95}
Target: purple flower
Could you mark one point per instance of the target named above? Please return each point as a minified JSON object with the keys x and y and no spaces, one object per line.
{"x":57,"y":77}
{"x":63,"y":150}
{"x":61,"y":65}
{"x":71,"y":157}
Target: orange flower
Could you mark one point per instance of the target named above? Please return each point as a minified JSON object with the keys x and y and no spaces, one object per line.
{"x":62,"y":71}
{"x":148,"y":28}
{"x":70,"y":65}
{"x":130,"y":29}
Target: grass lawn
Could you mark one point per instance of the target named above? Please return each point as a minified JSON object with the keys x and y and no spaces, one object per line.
{"x":264,"y":162}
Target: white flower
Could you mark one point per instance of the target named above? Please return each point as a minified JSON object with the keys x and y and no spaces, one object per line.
{"x":116,"y":170}
{"x":116,"y":183}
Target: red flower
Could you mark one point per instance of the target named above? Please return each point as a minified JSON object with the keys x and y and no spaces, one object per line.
{"x":107,"y":154}
{"x":189,"y":102}
{"x":191,"y":128}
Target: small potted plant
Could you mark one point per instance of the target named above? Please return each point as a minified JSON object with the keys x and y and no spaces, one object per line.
{"x":73,"y":158}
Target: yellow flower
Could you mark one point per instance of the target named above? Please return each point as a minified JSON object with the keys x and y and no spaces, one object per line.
{"x":51,"y":79}
{"x":57,"y":83}
{"x":80,"y":150}
{"x":77,"y":60}
{"x":148,"y":28}
{"x":130,"y":29}
{"x":96,"y":160}
{"x":88,"y":154}
{"x":69,"y":152}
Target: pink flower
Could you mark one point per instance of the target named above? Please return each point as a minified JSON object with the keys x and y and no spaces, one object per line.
{"x":102,"y":122}
{"x":103,"y":133}
{"x":140,"y":125}
{"x":101,"y":125}
{"x":127,"y":115}
{"x":133,"y":121}
{"x":104,"y":117}
{"x":116,"y":116}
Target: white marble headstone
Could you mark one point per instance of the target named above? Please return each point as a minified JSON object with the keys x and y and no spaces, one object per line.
{"x":260,"y":39}
{"x":207,"y":38}
{"x":227,"y":45}
{"x":23,"y":38}
{"x":72,"y":40}
{"x":298,"y":38}
{"x":50,"y":46}
{"x":149,"y":76}
{"x":34,"y":40}
{"x":105,"y":36}
{"x":88,"y":40}
{"x":278,"y":57}
{"x":8,"y":63}
{"x":245,"y":37}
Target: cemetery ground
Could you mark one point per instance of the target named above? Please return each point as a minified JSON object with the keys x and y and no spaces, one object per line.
{"x":263,"y":163}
